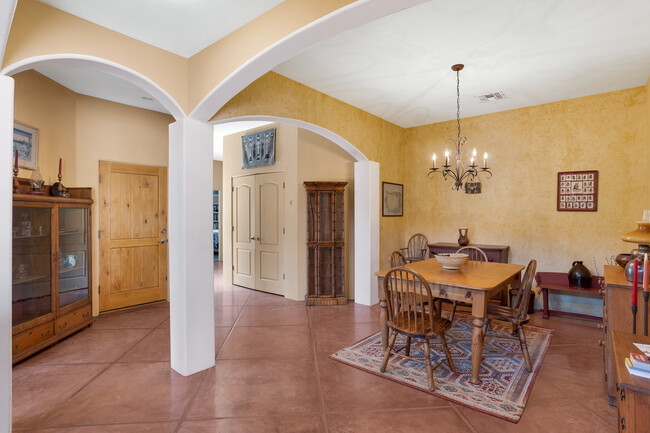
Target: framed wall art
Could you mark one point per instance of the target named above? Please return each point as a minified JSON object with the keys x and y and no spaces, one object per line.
{"x":392,"y":199}
{"x":26,"y":143}
{"x":258,"y":149}
{"x":577,"y":191}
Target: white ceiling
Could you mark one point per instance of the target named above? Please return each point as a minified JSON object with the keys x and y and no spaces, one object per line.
{"x":223,"y":129}
{"x":102,"y":85}
{"x":183,"y":27}
{"x":398,"y":67}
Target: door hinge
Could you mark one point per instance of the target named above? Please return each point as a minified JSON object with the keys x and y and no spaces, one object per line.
{"x":233,"y":189}
{"x":99,"y":233}
{"x":282,"y":230}
{"x":283,"y":185}
{"x":622,"y":423}
{"x":605,"y":377}
{"x":233,"y":267}
{"x":99,"y":289}
{"x":622,"y":394}
{"x":284,"y":277}
{"x":233,"y":228}
{"x":99,"y":178}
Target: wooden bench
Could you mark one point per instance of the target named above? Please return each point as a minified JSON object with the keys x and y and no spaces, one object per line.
{"x":559,"y":281}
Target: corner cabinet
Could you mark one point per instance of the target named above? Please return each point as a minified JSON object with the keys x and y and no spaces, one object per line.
{"x":51,"y":271}
{"x":325,"y":243}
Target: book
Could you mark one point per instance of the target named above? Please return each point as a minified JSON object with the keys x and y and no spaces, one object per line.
{"x":645,"y":348}
{"x":640,"y":361}
{"x":636,"y":371}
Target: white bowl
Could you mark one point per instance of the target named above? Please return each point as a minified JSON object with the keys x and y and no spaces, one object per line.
{"x":451,"y":261}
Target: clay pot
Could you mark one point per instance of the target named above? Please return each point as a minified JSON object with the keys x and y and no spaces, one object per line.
{"x":579,"y":276}
{"x":463,"y":240}
{"x":623,"y":259}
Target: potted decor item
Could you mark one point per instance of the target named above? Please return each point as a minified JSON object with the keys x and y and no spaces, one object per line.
{"x":579,"y":276}
{"x":463,"y":240}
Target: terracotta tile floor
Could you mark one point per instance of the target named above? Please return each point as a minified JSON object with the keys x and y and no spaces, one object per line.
{"x":272,"y":374}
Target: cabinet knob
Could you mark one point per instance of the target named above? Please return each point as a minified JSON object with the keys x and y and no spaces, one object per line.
{"x":601,"y":343}
{"x":601,"y":326}
{"x":601,"y":292}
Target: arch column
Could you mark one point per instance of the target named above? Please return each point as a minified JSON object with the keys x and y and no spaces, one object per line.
{"x":6,"y":198}
{"x":366,"y":231}
{"x":190,"y":246}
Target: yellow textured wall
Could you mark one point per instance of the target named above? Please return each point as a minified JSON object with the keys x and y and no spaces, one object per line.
{"x":527,"y":148}
{"x":377,"y":139}
{"x":49,"y":107}
{"x":85,"y":130}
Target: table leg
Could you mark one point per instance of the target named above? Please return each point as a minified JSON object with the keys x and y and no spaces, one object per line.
{"x":383,"y":320}
{"x":545,"y":314}
{"x":479,"y":307}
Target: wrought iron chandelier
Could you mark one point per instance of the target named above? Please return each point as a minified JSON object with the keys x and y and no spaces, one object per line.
{"x":458,"y":173}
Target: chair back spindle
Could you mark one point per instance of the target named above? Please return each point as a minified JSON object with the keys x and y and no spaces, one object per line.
{"x":397,"y":259}
{"x":474,"y":254}
{"x":407,"y":296}
{"x":520,"y":305}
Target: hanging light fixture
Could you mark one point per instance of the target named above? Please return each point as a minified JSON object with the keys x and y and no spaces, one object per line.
{"x":458,"y":173}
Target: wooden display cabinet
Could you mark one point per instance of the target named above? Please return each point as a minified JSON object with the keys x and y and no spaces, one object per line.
{"x":325,"y":243}
{"x":51,"y":271}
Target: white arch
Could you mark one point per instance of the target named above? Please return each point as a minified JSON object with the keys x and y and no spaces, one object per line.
{"x":103,"y":65}
{"x":353,"y":15}
{"x":335,"y":138}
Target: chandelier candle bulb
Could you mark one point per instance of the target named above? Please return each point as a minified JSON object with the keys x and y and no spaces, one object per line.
{"x":446,"y":157}
{"x":434,"y":160}
{"x":485,"y":160}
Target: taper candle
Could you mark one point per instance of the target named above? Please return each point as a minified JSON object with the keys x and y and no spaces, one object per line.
{"x":485,"y":160}
{"x":16,"y":160}
{"x":635,"y":281}
{"x":434,"y":160}
{"x":59,"y":167}
{"x":446,"y":157}
{"x":646,"y":273}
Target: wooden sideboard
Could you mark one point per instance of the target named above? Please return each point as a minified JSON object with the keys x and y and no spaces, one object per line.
{"x":633,"y":392}
{"x":494,"y":253}
{"x":617,"y":316}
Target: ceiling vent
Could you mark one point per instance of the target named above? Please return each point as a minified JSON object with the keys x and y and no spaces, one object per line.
{"x":490,"y":97}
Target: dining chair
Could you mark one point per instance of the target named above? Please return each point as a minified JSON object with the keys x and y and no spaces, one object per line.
{"x":416,"y":249}
{"x":412,"y":313}
{"x":397,"y":259}
{"x":474,"y":254}
{"x":517,"y":314}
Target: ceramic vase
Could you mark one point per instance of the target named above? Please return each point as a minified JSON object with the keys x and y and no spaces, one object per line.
{"x":462,"y":238}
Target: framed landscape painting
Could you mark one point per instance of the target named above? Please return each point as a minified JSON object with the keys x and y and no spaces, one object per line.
{"x":392,"y":199}
{"x":26,"y":143}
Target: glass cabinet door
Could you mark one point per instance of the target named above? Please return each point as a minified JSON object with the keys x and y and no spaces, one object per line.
{"x":31,"y":264}
{"x":73,"y":255}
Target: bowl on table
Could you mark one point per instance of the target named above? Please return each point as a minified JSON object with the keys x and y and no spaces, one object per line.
{"x":451,"y":261}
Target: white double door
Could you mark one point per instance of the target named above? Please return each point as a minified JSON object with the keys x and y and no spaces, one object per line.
{"x":258,"y":221}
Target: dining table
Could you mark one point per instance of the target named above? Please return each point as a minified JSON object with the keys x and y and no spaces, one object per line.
{"x":473,"y":283}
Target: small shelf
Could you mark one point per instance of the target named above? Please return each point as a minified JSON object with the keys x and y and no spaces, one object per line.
{"x":32,"y":236}
{"x":29,"y":279}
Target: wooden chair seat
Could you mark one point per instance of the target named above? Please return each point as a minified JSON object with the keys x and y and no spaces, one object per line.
{"x":417,"y":248}
{"x":411,"y":325}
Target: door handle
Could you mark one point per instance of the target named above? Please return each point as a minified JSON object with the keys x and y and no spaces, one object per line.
{"x":163,"y":231}
{"x":162,"y":241}
{"x":255,"y":238}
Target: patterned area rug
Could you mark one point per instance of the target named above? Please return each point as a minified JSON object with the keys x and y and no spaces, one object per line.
{"x":506,"y":383}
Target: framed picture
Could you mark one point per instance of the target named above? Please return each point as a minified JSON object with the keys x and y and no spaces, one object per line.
{"x":258,"y":149}
{"x":392,"y":199}
{"x":577,"y":191}
{"x":26,"y":143}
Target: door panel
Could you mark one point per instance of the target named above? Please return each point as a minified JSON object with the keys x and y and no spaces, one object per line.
{"x":269,"y":218}
{"x":132,"y":243}
{"x":243,"y":245}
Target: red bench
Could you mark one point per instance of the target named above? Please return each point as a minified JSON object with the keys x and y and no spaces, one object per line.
{"x":559,"y":281}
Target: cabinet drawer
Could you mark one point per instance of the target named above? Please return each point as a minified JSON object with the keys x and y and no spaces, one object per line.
{"x":72,"y":319}
{"x":32,"y":337}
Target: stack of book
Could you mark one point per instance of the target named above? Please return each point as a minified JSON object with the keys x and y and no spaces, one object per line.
{"x":638,"y":364}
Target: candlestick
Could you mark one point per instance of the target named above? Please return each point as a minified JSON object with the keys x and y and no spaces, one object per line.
{"x":434,"y":160}
{"x":16,"y":161}
{"x":16,"y":183}
{"x":59,"y":168}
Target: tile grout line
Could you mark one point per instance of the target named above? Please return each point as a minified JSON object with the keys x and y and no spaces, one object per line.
{"x":464,"y":419}
{"x":318,"y":384}
{"x":183,"y":417}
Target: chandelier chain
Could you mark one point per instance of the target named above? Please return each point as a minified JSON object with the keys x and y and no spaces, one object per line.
{"x":458,"y":102}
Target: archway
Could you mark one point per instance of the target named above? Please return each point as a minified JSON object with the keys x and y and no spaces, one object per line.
{"x":366,"y":206}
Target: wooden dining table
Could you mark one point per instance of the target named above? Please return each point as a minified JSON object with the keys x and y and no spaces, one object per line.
{"x":474,"y":283}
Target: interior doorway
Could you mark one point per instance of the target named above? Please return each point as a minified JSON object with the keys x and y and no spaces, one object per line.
{"x":258,"y":232}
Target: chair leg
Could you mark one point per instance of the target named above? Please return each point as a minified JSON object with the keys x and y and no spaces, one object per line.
{"x":427,"y":356}
{"x":407,"y":350}
{"x":389,"y":349}
{"x":515,"y":327}
{"x":486,"y":325}
{"x":453,"y":311}
{"x":445,"y":348}
{"x":524,"y":349}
